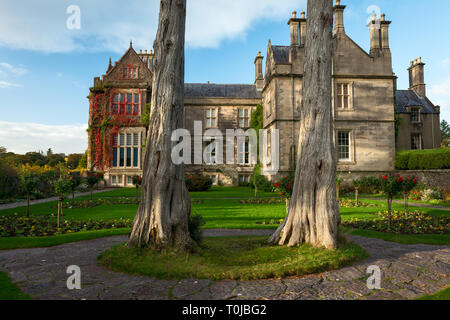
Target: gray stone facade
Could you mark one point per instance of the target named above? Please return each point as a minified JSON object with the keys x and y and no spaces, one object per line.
{"x":365,"y":103}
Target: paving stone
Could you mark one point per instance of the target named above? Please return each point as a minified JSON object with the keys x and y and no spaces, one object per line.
{"x":222,"y":290}
{"x":257,"y":289}
{"x":408,"y":272}
{"x":189,"y":287}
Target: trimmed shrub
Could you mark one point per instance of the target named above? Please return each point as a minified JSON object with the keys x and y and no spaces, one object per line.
{"x":423,"y":159}
{"x":198,"y":183}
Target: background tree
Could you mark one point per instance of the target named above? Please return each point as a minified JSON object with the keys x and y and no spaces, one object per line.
{"x":73,"y":160}
{"x":92,"y":180}
{"x":75,"y":181}
{"x":137,"y":181}
{"x":164,"y":211}
{"x":314,"y":212}
{"x":256,"y":123}
{"x":445,"y":133}
{"x":83,"y":161}
{"x":2,"y":150}
{"x":407,"y":186}
{"x":391,"y":186}
{"x":357,"y":184}
{"x":62,"y":187}
{"x":29,"y":183}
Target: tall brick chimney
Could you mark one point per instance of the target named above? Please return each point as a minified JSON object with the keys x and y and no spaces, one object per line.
{"x":259,"y":78}
{"x":417,"y":77}
{"x":375,"y":34}
{"x":303,"y":23}
{"x":384,"y":24}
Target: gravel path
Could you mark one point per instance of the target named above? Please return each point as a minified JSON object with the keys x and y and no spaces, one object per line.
{"x":24,"y":203}
{"x":408,"y":272}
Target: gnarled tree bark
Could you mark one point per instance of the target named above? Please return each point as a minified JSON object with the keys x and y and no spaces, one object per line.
{"x":162,"y":219}
{"x":314,"y":212}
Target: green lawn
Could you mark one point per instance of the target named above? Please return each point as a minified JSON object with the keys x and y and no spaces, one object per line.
{"x":9,"y":291}
{"x":244,"y":258}
{"x":442,"y":203}
{"x":219,"y":210}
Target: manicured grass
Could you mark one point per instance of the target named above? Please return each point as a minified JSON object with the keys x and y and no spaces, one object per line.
{"x":244,"y":258}
{"x":219,"y":210}
{"x":9,"y":291}
{"x":441,"y":295}
{"x":42,"y":242}
{"x":214,"y":193}
{"x":432,"y":239}
{"x":442,"y":203}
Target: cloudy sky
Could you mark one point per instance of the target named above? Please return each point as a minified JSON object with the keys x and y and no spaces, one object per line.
{"x":46,"y":68}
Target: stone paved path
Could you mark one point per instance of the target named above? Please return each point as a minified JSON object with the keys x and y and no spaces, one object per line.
{"x":24,"y":203}
{"x":408,"y":271}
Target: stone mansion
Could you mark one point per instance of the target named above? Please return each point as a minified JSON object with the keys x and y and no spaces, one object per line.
{"x":372,"y":118}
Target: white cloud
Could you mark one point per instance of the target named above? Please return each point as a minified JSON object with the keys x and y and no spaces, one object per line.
{"x":439,"y":93}
{"x":26,"y":137}
{"x":446,"y":62}
{"x":6,"y":68}
{"x":7,"y":85}
{"x":110,"y":25}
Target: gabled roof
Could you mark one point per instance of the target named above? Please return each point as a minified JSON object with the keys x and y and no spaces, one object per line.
{"x":281,"y":54}
{"x":129,"y":52}
{"x":409,"y":98}
{"x":210,"y":90}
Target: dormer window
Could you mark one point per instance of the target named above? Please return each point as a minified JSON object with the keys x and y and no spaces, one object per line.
{"x":130,"y":72}
{"x":415,"y":115}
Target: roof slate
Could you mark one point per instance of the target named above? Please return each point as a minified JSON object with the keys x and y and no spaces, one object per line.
{"x":409,"y":98}
{"x":211,"y":90}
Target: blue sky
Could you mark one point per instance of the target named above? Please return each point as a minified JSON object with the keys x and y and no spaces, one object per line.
{"x":46,"y":69}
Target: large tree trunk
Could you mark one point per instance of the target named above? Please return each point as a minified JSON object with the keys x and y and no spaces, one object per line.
{"x":162,"y":219}
{"x":314,"y":212}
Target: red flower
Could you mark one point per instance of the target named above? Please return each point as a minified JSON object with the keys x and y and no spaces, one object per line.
{"x":385,"y":178}
{"x":400,"y":180}
{"x":414,"y":181}
{"x":276,"y":185}
{"x":288,"y":187}
{"x":281,"y":193}
{"x":287,"y":177}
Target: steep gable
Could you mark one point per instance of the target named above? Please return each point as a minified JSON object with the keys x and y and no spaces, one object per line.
{"x":130,"y":70}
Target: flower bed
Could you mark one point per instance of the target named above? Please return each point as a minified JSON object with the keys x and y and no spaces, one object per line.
{"x":412,"y":223}
{"x":41,"y":226}
{"x":263,"y":201}
{"x":348,"y":203}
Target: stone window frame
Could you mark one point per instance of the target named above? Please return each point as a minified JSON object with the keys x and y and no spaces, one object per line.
{"x":239,"y":117}
{"x":350,"y":95}
{"x":419,"y":114}
{"x":205,"y":117}
{"x":117,"y":144}
{"x":208,"y":149}
{"x":127,"y":75}
{"x":352,"y":147}
{"x":417,"y":134}
{"x":246,"y":153}
{"x":125,"y":103}
{"x":244,"y":179}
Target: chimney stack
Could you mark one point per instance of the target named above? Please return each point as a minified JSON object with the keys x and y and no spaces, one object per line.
{"x":303,"y":22}
{"x":384,"y":32}
{"x":375,"y":34}
{"x":259,"y":78}
{"x":339,"y":17}
{"x":417,"y":77}
{"x":294,"y":25}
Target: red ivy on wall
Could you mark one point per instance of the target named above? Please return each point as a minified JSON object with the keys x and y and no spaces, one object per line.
{"x":103,"y":125}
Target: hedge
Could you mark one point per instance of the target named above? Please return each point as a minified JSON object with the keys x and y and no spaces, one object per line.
{"x":423,"y":159}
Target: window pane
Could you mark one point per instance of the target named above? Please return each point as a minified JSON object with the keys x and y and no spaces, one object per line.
{"x":115,"y":109}
{"x":213,"y":113}
{"x":129,"y":98}
{"x":136,"y":98}
{"x":241,"y":123}
{"x":116,"y":98}
{"x":122,"y":157}
{"x":113,"y":180}
{"x":345,"y":89}
{"x":128,"y":139}
{"x":122,"y":98}
{"x":135,"y":157}
{"x":344,"y":145}
{"x":208,"y":123}
{"x":128,"y":157}
{"x":129,"y":108}
{"x":136,"y":109}
{"x":122,"y":139}
{"x":339,"y":88}
{"x":114,"y":157}
{"x":213,"y":123}
{"x":136,"y":139}
{"x":345,"y":102}
{"x":208,"y":113}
